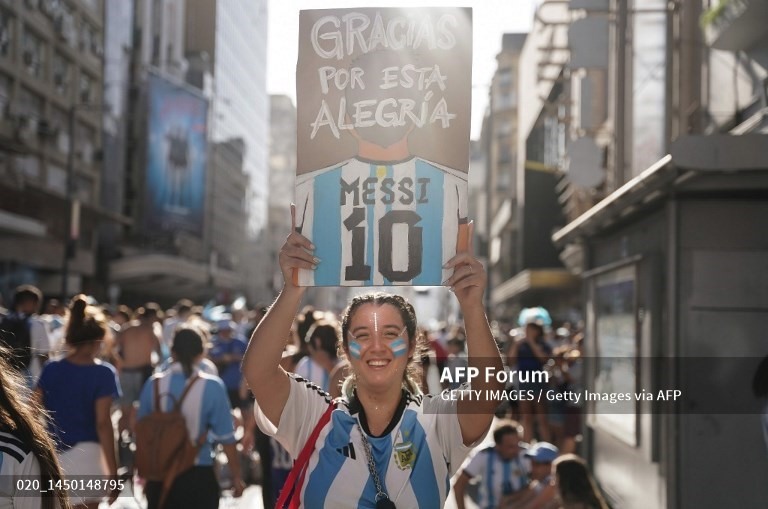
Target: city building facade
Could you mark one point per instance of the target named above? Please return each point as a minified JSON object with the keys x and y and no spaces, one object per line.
{"x":51,"y":71}
{"x":672,"y":254}
{"x":199,"y":136}
{"x":525,"y":139}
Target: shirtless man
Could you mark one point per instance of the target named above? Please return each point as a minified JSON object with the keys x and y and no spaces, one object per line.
{"x":135,"y":343}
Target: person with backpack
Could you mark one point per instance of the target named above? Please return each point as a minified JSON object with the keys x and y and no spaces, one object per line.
{"x":78,"y":391}
{"x":26,"y":333}
{"x":182,"y":410}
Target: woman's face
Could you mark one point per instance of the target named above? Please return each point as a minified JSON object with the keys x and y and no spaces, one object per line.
{"x":378,"y":345}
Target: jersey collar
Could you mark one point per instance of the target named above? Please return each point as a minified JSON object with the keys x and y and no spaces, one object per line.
{"x":356,"y":407}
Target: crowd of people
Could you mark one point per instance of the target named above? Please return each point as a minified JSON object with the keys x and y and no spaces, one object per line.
{"x":87,"y":366}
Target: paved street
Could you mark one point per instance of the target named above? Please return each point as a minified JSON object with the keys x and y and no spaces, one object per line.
{"x":251,"y":499}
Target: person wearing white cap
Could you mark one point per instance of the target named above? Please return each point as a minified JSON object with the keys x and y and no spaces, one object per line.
{"x":541,"y":493}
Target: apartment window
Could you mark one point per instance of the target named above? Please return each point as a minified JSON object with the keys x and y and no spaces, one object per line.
{"x":61,"y":73}
{"x":5,"y":92}
{"x":64,"y":26}
{"x":85,"y":137}
{"x":86,"y":88}
{"x":505,"y":78}
{"x":87,"y":37}
{"x":5,"y":34}
{"x":505,"y":153}
{"x":503,"y":100}
{"x":30,"y":104}
{"x":33,"y":54}
{"x":29,"y":166}
{"x":504,"y":129}
{"x":60,"y":122}
{"x":84,"y":189}
{"x":56,"y":179}
{"x":93,"y":5}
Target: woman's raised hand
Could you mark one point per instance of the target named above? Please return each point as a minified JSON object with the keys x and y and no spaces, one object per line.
{"x":296,"y":253}
{"x":469,"y":278}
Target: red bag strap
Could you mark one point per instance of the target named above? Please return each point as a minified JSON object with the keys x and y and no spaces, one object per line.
{"x":291,"y":486}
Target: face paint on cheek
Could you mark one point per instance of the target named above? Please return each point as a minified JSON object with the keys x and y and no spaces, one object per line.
{"x":399,"y":347}
{"x":354,"y":349}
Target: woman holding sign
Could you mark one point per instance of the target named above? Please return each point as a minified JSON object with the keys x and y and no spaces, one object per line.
{"x":383,"y":443}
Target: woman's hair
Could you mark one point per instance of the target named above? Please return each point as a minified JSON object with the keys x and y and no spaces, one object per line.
{"x":324,"y":335}
{"x":416,"y":340}
{"x":125,"y":312}
{"x":24,"y":417}
{"x":506,"y":427}
{"x":187,"y":345}
{"x":86,"y":323}
{"x":575,"y":484}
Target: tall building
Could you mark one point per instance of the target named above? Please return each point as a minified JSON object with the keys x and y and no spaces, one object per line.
{"x":523,"y":137}
{"x":501,"y":160}
{"x":195,"y":188}
{"x":118,"y":39}
{"x":226,"y":45}
{"x":233,"y":36}
{"x":282,"y":175}
{"x":51,"y":70}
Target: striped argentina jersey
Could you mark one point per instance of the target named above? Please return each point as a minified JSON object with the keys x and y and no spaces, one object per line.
{"x":206,"y":407}
{"x":417,"y":457}
{"x":17,"y":465}
{"x":498,"y":477}
{"x":381,"y":224}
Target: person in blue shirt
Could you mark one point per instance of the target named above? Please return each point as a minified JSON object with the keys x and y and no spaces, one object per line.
{"x":227,"y":353}
{"x":78,"y":391}
{"x":207,"y":414}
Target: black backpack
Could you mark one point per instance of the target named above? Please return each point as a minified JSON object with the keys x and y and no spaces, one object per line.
{"x":14,"y":333}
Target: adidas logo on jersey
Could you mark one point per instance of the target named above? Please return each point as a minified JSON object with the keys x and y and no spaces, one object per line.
{"x":348,"y":451}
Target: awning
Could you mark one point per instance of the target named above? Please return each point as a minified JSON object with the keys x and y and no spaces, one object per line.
{"x":702,"y":163}
{"x":534,"y":279}
{"x":22,"y":225}
{"x":170,"y":276}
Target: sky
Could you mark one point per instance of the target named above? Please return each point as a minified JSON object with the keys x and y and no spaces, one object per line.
{"x":491,"y":19}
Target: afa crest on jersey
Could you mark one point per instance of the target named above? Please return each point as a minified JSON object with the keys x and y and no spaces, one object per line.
{"x":405,"y":455}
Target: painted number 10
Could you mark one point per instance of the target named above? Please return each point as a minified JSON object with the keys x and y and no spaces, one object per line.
{"x":359,"y":271}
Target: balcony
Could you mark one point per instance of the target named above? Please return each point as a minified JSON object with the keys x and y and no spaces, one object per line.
{"x":737,"y":25}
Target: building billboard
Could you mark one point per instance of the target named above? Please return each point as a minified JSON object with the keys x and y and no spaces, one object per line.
{"x":176,"y":158}
{"x":383,"y":143}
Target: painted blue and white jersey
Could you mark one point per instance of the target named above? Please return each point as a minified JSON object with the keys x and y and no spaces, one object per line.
{"x":205,"y":408}
{"x":17,"y":463}
{"x":498,"y":477}
{"x":312,"y":371}
{"x":418,"y":455}
{"x":381,"y":224}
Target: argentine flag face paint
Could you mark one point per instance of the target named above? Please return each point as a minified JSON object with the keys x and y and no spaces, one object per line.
{"x":399,"y":347}
{"x":354,"y":349}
